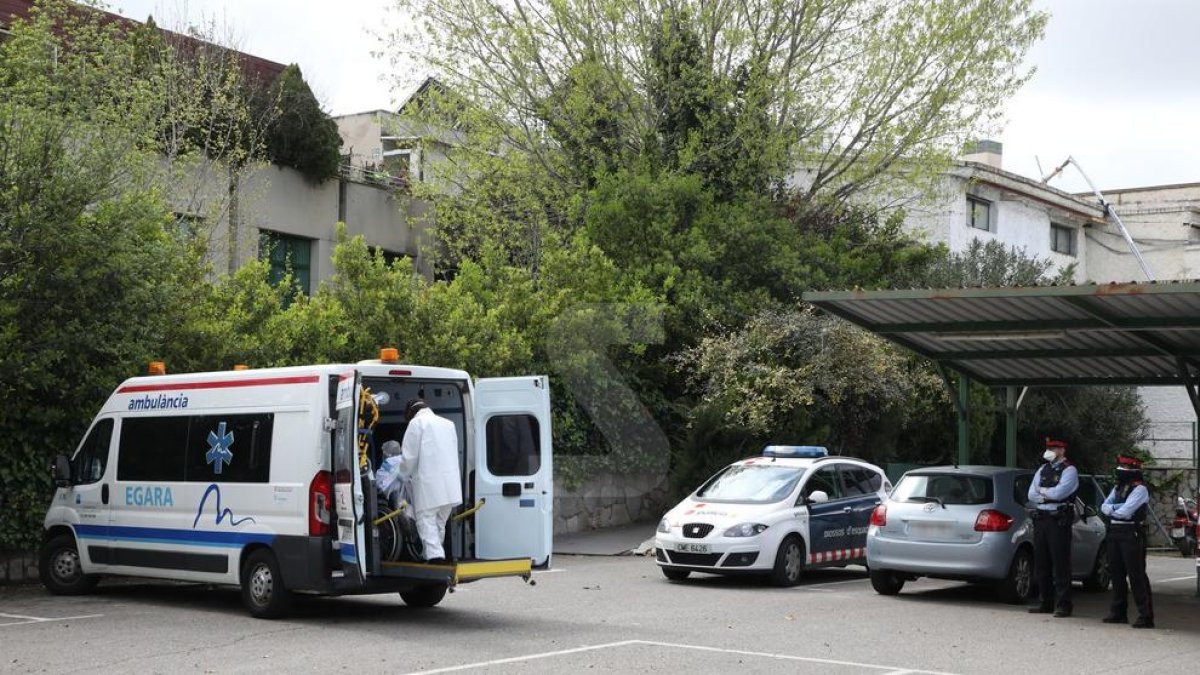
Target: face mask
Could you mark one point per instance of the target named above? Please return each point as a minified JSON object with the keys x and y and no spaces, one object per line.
{"x":1049,"y":455}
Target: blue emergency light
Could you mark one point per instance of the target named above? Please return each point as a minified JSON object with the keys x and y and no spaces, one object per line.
{"x":795,"y":451}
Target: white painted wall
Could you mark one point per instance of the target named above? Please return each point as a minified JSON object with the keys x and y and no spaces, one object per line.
{"x":1017,"y":222}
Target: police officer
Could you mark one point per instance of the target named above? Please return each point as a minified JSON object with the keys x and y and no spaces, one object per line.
{"x":1126,"y":510}
{"x":1052,"y":493}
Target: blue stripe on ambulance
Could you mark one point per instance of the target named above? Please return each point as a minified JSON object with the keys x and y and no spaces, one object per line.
{"x":348,"y":553}
{"x":158,"y":535}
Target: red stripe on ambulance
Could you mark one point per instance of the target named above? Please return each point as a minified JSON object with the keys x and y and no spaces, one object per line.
{"x":220,"y":384}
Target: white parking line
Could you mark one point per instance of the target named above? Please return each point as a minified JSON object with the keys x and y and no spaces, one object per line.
{"x":1167,"y":581}
{"x":819,"y":587}
{"x":22,"y":619}
{"x":889,"y":670}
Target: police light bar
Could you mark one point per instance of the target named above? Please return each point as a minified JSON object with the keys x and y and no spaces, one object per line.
{"x":795,"y":451}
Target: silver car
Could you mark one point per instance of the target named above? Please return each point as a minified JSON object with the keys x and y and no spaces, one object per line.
{"x":970,"y":523}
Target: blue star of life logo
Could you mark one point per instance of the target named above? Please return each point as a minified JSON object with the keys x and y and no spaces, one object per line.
{"x":218,"y":448}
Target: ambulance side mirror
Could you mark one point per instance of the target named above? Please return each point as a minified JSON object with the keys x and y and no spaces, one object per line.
{"x":62,"y":471}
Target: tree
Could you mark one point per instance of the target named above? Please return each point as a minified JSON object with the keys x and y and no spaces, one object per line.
{"x":89,"y":277}
{"x":301,"y":135}
{"x":845,"y":88}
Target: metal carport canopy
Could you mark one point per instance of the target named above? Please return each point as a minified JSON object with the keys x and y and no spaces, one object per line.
{"x":1092,"y":334}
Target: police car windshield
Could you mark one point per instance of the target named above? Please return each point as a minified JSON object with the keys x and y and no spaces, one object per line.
{"x":751,"y":483}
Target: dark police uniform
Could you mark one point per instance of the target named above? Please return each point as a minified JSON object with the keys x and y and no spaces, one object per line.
{"x":1127,"y":551}
{"x":1052,"y":521}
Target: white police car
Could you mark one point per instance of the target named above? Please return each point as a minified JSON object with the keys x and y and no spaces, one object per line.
{"x":791,"y":508}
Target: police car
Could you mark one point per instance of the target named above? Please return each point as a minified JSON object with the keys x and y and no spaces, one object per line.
{"x":791,"y":508}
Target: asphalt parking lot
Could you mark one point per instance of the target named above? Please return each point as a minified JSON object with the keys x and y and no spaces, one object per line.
{"x":614,"y":614}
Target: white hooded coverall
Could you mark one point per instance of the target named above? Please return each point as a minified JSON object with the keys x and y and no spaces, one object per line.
{"x":429,"y":455}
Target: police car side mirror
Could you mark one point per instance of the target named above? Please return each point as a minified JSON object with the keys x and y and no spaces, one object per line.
{"x":818,"y":497}
{"x":62,"y":471}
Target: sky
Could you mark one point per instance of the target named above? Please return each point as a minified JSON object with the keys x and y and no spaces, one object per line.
{"x":1117,"y":84}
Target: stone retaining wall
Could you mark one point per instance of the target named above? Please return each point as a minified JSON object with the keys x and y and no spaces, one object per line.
{"x":609,"y":500}
{"x":18,"y":568}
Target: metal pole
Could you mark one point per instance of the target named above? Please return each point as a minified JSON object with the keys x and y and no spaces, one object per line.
{"x":964,"y":441}
{"x":1110,"y":211}
{"x":1010,"y":426}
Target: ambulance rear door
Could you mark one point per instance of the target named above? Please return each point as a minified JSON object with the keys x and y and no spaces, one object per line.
{"x":513,"y":469}
{"x":348,"y":468}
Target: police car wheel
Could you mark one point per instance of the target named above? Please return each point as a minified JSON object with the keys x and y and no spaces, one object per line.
{"x":262,"y":586}
{"x":60,"y":568}
{"x":789,"y":562}
{"x":675,"y":574}
{"x":425,"y":596}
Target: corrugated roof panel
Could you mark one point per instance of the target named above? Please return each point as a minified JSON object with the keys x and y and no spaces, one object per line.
{"x":1119,"y":333}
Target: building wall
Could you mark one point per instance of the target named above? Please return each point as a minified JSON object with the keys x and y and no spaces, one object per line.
{"x":360,"y":137}
{"x":1015,"y":222}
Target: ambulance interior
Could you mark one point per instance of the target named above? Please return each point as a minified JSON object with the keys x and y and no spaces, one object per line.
{"x":393,"y":545}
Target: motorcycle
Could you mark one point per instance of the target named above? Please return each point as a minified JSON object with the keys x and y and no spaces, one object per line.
{"x":1183,"y":527}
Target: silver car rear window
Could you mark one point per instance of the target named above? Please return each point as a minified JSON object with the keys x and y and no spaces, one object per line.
{"x":753,"y":483}
{"x":947,"y":489}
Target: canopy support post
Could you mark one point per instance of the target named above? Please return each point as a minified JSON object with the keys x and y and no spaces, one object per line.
{"x":1192,"y":384}
{"x":964,"y":422}
{"x":1012,"y":404}
{"x":961,"y":406}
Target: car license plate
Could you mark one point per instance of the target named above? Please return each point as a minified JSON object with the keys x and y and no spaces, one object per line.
{"x":1177,"y":532}
{"x":687,"y":547}
{"x":929,"y":529}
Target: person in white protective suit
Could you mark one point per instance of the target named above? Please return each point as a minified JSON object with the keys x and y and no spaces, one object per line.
{"x":429,"y":455}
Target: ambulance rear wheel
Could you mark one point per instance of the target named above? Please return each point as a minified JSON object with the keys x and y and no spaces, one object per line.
{"x":60,"y":568}
{"x":262,"y":586}
{"x":425,"y":596}
{"x":789,"y":562}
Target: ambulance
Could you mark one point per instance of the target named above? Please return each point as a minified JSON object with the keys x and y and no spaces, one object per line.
{"x":263,"y":479}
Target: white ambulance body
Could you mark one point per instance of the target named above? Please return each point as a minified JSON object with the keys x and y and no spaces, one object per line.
{"x":263,"y":479}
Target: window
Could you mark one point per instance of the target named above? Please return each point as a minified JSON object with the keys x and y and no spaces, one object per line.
{"x":92,"y":458}
{"x":752,"y":483}
{"x":946,"y":489}
{"x":513,"y":445}
{"x":1021,"y":488}
{"x":824,"y":479}
{"x":857,"y":481}
{"x":229,"y":448}
{"x":202,"y":448}
{"x":1062,"y":239}
{"x":288,"y":254}
{"x":979,"y":213}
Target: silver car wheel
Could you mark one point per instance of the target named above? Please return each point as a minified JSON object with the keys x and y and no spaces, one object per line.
{"x":1023,"y":576}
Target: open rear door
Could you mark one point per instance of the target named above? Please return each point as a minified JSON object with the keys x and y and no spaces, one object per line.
{"x":348,"y":485}
{"x":513,"y":469}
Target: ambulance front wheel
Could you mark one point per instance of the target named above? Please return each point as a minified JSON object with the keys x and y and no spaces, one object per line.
{"x":262,"y":586}
{"x":425,"y":596}
{"x":60,"y":568}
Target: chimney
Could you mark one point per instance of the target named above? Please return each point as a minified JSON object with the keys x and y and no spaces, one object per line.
{"x":984,"y":152}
